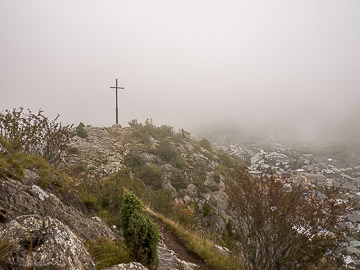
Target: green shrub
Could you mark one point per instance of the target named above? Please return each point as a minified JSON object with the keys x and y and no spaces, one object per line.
{"x":130,"y":205}
{"x":206,"y":144}
{"x":217,"y":178}
{"x":80,"y":131}
{"x":144,"y":238}
{"x":166,"y":151}
{"x":180,"y":162}
{"x":226,"y":160}
{"x":165,"y":131}
{"x":134,"y":123}
{"x":199,"y":182}
{"x":207,"y":209}
{"x":141,"y":136}
{"x":151,"y":176}
{"x":133,"y":160}
{"x":73,"y":150}
{"x":78,"y":168}
{"x":178,"y":182}
{"x":140,"y":233}
{"x":161,"y":201}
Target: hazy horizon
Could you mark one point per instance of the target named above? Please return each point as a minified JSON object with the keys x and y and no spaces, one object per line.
{"x":191,"y":64}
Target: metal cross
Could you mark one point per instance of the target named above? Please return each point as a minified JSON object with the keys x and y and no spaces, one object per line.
{"x":117,"y":110}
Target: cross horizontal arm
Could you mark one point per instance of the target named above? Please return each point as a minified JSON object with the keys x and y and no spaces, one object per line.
{"x":117,"y":87}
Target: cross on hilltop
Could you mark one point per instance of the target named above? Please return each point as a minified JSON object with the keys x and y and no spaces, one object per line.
{"x":117,"y":110}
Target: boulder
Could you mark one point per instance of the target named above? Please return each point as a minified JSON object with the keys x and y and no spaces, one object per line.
{"x":44,"y":243}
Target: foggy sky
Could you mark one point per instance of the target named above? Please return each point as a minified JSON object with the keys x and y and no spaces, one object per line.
{"x":184,"y":63}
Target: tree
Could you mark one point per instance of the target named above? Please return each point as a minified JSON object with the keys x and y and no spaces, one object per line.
{"x":35,"y":133}
{"x":279,"y":227}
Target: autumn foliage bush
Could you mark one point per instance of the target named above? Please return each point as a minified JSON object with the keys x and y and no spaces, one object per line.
{"x":280,"y":226}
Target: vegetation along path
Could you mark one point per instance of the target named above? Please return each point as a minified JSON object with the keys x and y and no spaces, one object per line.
{"x":173,"y":243}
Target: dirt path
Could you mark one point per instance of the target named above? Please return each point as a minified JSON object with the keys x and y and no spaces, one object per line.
{"x":173,"y":243}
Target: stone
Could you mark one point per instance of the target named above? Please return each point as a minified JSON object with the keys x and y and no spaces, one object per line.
{"x":127,"y":266}
{"x":187,"y":199}
{"x":44,"y":243}
{"x":37,"y":191}
{"x":169,"y":260}
{"x":191,"y":189}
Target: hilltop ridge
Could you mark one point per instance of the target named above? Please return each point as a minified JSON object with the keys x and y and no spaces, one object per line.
{"x":190,"y":172}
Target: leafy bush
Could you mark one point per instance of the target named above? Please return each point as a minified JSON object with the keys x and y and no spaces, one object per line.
{"x":207,"y":209}
{"x":178,"y":182}
{"x":133,"y":160}
{"x":206,"y":144}
{"x":35,"y":133}
{"x":80,"y":131}
{"x":143,"y":132}
{"x":184,"y":215}
{"x":165,"y":131}
{"x":166,"y":151}
{"x":134,"y":123}
{"x":161,"y":201}
{"x":151,"y":176}
{"x":294,"y":230}
{"x":227,"y":160}
{"x":140,"y":233}
{"x":180,"y":162}
{"x":73,"y":150}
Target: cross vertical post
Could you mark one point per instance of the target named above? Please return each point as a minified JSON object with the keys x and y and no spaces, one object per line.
{"x":116,"y":108}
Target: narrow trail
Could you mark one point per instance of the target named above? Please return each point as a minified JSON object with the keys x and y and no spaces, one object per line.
{"x":173,"y":243}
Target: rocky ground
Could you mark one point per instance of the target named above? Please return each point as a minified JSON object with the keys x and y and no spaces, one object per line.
{"x":195,"y":175}
{"x":47,"y":227}
{"x":48,"y":234}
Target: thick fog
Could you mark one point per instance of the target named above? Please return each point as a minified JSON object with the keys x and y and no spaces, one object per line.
{"x":290,"y":64}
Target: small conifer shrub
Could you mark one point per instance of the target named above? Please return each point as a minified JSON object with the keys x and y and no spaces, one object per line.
{"x":140,"y":233}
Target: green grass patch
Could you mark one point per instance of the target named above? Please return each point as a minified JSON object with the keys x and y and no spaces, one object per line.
{"x":10,"y":167}
{"x":201,"y":246}
{"x":106,"y":253}
{"x":47,"y":174}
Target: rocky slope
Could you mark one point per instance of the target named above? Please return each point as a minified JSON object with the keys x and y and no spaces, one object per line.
{"x":44,"y":224}
{"x":192,"y":172}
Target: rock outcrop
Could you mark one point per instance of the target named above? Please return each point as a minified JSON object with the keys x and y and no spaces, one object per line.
{"x":44,"y":243}
{"x":101,"y":153}
{"x":18,"y":199}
